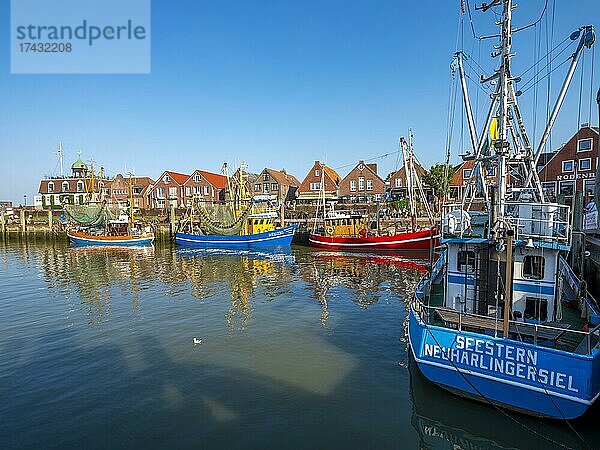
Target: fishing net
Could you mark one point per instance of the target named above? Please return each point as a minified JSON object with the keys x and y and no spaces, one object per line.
{"x":221,"y":219}
{"x":89,"y":215}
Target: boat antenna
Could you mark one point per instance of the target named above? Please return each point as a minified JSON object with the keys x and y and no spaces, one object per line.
{"x":60,"y":158}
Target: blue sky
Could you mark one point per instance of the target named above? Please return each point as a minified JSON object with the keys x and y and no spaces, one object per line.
{"x":273,"y":83}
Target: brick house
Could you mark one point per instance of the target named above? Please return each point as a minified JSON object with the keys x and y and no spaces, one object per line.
{"x":210,"y":186}
{"x":362,"y":184}
{"x":277,"y":185}
{"x":310,"y":190}
{"x":572,"y":167}
{"x":55,"y":190}
{"x":117,"y":192}
{"x":396,"y":182}
{"x":462,"y":173}
{"x":168,"y":190}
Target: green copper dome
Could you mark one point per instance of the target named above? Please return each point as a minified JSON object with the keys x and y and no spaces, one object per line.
{"x":79,"y":164}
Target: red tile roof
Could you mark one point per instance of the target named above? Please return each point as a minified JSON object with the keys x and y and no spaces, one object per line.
{"x":217,"y":180}
{"x":179,"y":178}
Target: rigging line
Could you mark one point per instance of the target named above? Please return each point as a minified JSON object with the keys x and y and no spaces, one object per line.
{"x":536,"y":63}
{"x":471,"y":22}
{"x":591,"y":85}
{"x":534,"y":23}
{"x":547,"y":75}
{"x":367,"y":160}
{"x":545,"y":67}
{"x":549,"y":80}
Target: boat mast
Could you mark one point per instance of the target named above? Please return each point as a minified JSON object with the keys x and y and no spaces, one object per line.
{"x":131,"y":219}
{"x":409,"y":180}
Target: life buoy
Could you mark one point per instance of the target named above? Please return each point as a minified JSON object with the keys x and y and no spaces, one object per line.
{"x":329,"y":230}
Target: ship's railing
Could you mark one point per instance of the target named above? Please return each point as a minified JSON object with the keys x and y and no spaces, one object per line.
{"x":546,"y":222}
{"x":567,"y":339}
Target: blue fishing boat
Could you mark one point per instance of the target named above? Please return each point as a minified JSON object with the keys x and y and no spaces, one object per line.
{"x":239,"y":223}
{"x":279,"y":237}
{"x":494,"y":319}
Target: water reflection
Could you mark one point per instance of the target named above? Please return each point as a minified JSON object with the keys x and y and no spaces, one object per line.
{"x":445,"y":421}
{"x":95,"y":274}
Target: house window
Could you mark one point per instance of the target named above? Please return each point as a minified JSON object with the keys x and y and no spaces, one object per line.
{"x":172,"y":192}
{"x":197,"y":189}
{"x":377,"y":197}
{"x":197,"y":178}
{"x":398,"y":182}
{"x":65,"y":186}
{"x":467,"y":173}
{"x":266,"y":187}
{"x":258,"y":187}
{"x":167,"y":179}
{"x":361,"y":183}
{"x":549,"y":188}
{"x":317,"y":173}
{"x":584,"y":145}
{"x":589,"y":186}
{"x":466,"y":261}
{"x":206,"y":191}
{"x":585,"y":164}
{"x":536,"y":308}
{"x":369,"y":185}
{"x":80,"y":186}
{"x":566,"y":188}
{"x":352,"y":185}
{"x":567,"y":166}
{"x":274,"y":186}
{"x":51,"y":186}
{"x":266,"y":176}
{"x":315,"y":186}
{"x":160,"y":193}
{"x":491,"y":172}
{"x":533,"y":267}
{"x":188,"y":191}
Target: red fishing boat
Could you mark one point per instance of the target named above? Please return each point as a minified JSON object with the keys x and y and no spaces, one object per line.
{"x":418,"y":240}
{"x":352,"y":231}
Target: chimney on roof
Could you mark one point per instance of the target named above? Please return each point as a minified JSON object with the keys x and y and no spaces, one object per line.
{"x":373,"y":167}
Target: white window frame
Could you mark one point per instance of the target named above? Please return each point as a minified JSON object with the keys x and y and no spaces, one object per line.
{"x":63,"y":186}
{"x":361,"y":183}
{"x":160,"y":193}
{"x":572,"y":166}
{"x":80,"y":186}
{"x":172,"y":192}
{"x":567,"y":182}
{"x":258,"y":187}
{"x":591,"y":140}
{"x":547,"y":184}
{"x":352,"y":185}
{"x":586,"y":183}
{"x":465,"y":172}
{"x":585,"y":159}
{"x":197,"y":178}
{"x":317,"y":172}
{"x":206,"y":191}
{"x":51,"y":187}
{"x":398,"y":182}
{"x":369,"y":184}
{"x":167,"y":179}
{"x":315,"y":186}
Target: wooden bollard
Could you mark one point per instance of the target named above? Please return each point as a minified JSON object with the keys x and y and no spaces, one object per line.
{"x":23,"y":223}
{"x":3,"y":223}
{"x":172,"y":227}
{"x":50,"y":218}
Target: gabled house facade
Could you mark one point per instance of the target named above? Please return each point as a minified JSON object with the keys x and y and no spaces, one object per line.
{"x":310,"y":190}
{"x":275,"y":185}
{"x":209,"y":186}
{"x":462,"y":173}
{"x":362,"y":184}
{"x":117,"y":194}
{"x":169,"y":190}
{"x":572,"y":168}
{"x":396,"y":182}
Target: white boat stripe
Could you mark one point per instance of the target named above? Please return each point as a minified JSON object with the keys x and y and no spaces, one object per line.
{"x":367,"y":244}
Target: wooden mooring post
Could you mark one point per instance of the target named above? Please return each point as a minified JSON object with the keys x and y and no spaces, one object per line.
{"x":50,"y":218}
{"x":23,"y":222}
{"x":172,"y":221}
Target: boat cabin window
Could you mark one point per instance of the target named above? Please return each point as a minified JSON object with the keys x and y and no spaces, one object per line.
{"x":466,"y":261}
{"x":533,"y":267}
{"x":536,"y":308}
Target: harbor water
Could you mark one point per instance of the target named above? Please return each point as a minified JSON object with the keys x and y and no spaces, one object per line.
{"x":164,"y":347}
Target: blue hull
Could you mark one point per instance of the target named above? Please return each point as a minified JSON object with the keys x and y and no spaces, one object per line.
{"x":281,"y":237}
{"x":524,"y":377}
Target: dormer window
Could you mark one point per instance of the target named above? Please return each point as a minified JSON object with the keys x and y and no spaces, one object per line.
{"x":80,"y":186}
{"x":584,"y":145}
{"x":65,"y":186}
{"x":51,"y":187}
